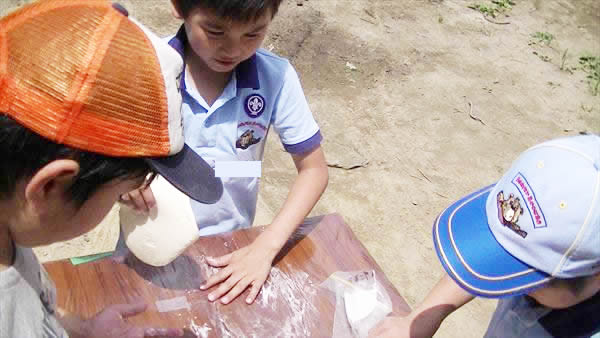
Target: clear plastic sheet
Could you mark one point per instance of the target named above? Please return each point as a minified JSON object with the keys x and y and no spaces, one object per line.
{"x":361,"y":302}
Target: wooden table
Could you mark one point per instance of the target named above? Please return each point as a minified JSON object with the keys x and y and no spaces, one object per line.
{"x":291,"y":303}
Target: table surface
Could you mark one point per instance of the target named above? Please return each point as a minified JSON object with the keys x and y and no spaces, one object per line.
{"x":292,"y":302}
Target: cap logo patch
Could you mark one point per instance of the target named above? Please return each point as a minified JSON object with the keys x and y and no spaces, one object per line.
{"x":509,"y":211}
{"x":537,"y":216}
{"x":254,"y":105}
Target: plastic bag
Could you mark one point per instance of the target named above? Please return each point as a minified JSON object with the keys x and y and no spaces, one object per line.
{"x":361,"y":302}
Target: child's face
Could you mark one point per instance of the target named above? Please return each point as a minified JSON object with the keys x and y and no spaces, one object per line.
{"x":221,"y":44}
{"x":560,"y":296}
{"x":60,"y":220}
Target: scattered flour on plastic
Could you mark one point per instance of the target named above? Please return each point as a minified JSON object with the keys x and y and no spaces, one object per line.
{"x":289,"y":286}
{"x":200,"y":331}
{"x":297,"y":306}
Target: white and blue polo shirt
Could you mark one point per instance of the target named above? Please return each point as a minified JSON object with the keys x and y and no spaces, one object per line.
{"x":521,"y":316}
{"x":263,"y":91}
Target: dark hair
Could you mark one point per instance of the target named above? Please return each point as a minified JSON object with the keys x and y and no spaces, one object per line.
{"x":236,"y":10}
{"x":24,"y":152}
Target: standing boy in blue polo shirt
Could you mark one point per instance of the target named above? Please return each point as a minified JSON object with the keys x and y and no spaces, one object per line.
{"x":532,"y":240}
{"x":232,"y":93}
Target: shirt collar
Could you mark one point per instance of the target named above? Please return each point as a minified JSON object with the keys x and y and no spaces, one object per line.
{"x":246,"y":72}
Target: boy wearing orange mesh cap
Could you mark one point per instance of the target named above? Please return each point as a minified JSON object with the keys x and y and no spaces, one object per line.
{"x":79,"y":126}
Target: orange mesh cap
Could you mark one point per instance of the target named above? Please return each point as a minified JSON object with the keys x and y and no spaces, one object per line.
{"x":83,"y":74}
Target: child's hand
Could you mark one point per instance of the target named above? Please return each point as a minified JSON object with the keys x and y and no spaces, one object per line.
{"x":141,"y":199}
{"x":111,"y":322}
{"x":248,"y":266}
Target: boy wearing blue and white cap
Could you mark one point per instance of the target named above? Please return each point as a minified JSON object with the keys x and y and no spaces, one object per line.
{"x":532,"y":240}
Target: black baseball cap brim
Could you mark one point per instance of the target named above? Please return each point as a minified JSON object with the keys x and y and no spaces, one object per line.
{"x":189,"y":173}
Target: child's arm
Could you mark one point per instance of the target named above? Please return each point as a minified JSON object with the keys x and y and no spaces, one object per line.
{"x":445,"y":297}
{"x":251,"y":265}
{"x":110,"y":322}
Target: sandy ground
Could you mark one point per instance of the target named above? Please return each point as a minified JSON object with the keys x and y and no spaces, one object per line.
{"x":420,"y":103}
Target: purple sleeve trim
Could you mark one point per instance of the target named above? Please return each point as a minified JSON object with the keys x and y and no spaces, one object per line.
{"x":305,"y":146}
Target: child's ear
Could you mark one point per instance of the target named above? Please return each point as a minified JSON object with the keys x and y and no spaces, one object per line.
{"x":53,"y":179}
{"x":175,"y":10}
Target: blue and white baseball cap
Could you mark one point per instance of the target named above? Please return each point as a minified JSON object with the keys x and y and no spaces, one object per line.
{"x":540,"y":221}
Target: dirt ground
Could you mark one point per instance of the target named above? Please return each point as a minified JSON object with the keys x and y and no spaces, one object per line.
{"x":420,"y":102}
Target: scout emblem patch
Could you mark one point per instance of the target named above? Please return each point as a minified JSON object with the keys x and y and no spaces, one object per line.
{"x":254,"y":105}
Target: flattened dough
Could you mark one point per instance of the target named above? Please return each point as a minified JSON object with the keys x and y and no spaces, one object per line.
{"x":161,"y":236}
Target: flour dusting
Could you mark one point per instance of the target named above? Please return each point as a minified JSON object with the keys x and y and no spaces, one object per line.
{"x":200,"y":331}
{"x":286,"y":295}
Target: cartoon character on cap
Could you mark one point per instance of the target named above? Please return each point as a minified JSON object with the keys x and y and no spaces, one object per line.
{"x":509,"y":211}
